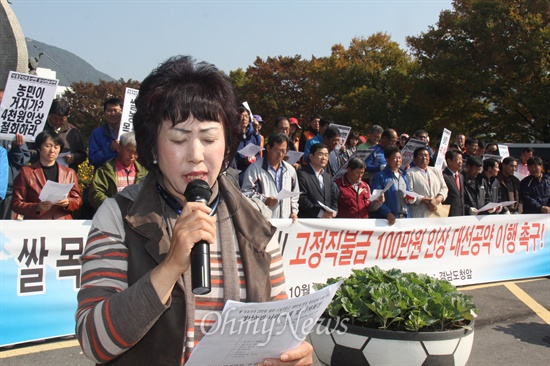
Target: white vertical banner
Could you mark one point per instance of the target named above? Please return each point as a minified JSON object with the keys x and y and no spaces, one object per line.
{"x":443,"y":145}
{"x":25,"y":106}
{"x":128,"y":110}
{"x":245,"y":104}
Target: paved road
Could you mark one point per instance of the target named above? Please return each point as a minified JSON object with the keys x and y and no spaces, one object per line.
{"x":513,"y":328}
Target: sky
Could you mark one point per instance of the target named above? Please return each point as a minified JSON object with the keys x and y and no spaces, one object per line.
{"x":128,"y":38}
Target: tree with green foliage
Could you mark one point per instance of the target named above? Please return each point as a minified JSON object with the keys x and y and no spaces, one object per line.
{"x":366,"y":83}
{"x":484,"y":69}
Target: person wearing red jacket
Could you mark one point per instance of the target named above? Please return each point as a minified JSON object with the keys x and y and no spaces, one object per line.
{"x":31,"y":180}
{"x":355,"y":193}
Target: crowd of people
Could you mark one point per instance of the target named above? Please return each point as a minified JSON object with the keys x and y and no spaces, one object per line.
{"x":417,"y":190}
{"x":473,"y":174}
{"x":136,"y":303}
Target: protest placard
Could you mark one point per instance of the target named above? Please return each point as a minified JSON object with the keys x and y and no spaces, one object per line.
{"x":128,"y":111}
{"x":445,"y":138}
{"x":25,"y":106}
{"x":361,"y":154}
{"x":408,"y":151}
{"x":344,"y":133}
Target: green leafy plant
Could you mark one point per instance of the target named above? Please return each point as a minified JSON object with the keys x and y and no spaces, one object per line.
{"x":397,"y":300}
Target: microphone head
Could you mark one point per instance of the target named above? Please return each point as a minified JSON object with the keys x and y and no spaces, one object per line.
{"x":198,"y":191}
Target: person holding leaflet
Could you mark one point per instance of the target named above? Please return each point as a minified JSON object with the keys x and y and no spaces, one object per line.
{"x":31,"y":180}
{"x":136,"y":303}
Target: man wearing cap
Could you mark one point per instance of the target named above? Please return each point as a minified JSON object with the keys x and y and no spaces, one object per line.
{"x":294,"y":135}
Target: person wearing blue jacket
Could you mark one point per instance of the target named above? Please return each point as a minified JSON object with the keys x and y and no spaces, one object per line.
{"x":4,"y":173}
{"x":103,"y":143}
{"x":396,"y":203}
{"x":376,"y":162}
{"x":18,"y":155}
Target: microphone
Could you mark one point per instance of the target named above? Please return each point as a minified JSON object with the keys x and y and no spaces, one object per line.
{"x":199,"y":191}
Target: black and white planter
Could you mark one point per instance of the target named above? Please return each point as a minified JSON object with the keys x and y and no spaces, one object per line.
{"x":335,"y":345}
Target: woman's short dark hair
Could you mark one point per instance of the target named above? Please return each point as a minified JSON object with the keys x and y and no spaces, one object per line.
{"x":44,"y":135}
{"x":356,"y":163}
{"x":175,"y":90}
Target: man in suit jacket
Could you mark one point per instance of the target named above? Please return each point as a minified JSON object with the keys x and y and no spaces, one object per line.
{"x":316,"y":186}
{"x":426,"y":181}
{"x":455,"y":182}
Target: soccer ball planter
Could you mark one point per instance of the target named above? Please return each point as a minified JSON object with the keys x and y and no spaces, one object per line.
{"x":392,"y":318}
{"x":359,"y":346}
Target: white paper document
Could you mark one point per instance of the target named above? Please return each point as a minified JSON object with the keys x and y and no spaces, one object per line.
{"x":412,"y":194}
{"x":285,"y":193}
{"x":326,"y":208}
{"x":61,"y":158}
{"x":375,"y":194}
{"x":54,"y":192}
{"x":293,"y":156}
{"x":248,"y":333}
{"x":250,"y":150}
{"x":491,"y":205}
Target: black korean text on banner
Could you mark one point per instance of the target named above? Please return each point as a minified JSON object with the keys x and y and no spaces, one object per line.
{"x":37,"y":252}
{"x":128,"y":111}
{"x":25,"y":105}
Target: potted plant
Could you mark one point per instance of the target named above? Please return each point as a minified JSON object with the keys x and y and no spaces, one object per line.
{"x":380,"y":317}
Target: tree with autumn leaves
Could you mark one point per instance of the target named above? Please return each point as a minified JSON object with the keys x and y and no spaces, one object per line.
{"x":482,"y":69}
{"x":86,"y":100}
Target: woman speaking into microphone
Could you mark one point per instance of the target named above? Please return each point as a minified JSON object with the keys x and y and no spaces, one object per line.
{"x":136,"y":305}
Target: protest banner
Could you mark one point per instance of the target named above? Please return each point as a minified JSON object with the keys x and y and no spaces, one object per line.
{"x":443,"y":145}
{"x":128,"y":111}
{"x":25,"y":105}
{"x":40,"y":270}
{"x":245,"y":104}
{"x":463,"y":250}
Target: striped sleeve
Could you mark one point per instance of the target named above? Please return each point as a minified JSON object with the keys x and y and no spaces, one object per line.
{"x":111,"y":317}
{"x":277,"y":275}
